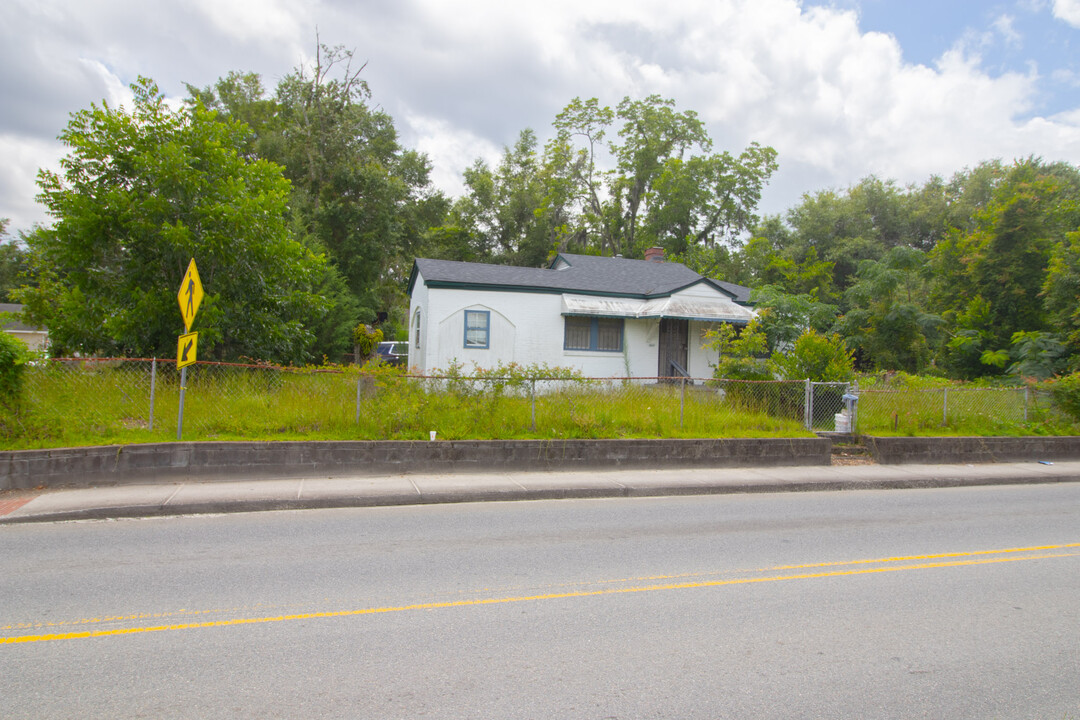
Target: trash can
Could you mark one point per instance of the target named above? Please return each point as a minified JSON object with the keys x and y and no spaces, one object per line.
{"x":851,"y":404}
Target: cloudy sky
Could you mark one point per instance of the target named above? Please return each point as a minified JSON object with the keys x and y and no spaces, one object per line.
{"x":841,"y":88}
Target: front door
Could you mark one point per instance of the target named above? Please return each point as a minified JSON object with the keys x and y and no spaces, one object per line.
{"x":673,"y":344}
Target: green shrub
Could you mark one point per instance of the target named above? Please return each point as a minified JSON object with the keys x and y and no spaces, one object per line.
{"x":13,"y":358}
{"x":366,"y":340}
{"x":739,"y":352}
{"x":821,"y":358}
{"x":1066,"y":395}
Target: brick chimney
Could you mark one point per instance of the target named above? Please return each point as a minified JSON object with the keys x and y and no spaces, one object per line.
{"x":654,"y":254}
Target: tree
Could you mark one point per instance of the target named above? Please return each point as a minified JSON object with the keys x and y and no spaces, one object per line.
{"x":783,"y":317}
{"x":12,"y":263}
{"x":361,"y":196}
{"x":887,"y":320}
{"x":656,"y":183}
{"x":1038,"y":355}
{"x":504,"y":215}
{"x":140,"y":193}
{"x":740,"y":352}
{"x":1062,"y":289}
{"x":357,"y":195}
{"x":820,"y":358}
{"x":990,"y":276}
{"x":707,"y":200}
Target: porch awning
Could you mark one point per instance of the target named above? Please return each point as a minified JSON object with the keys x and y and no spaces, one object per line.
{"x":684,"y":308}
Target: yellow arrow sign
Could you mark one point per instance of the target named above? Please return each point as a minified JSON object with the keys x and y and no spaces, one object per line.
{"x":186,"y":349}
{"x":190,"y":295}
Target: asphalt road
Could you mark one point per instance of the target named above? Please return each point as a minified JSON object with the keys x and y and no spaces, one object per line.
{"x":884,"y":604}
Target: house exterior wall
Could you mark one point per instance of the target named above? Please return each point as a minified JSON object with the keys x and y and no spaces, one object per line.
{"x":419,"y":341}
{"x":34,"y":339}
{"x":528,"y":328}
{"x":702,"y":360}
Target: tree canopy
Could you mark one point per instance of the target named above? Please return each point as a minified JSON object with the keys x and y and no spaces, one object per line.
{"x":140,"y":193}
{"x":610,"y":182}
{"x":304,"y":211}
{"x":936,"y":277}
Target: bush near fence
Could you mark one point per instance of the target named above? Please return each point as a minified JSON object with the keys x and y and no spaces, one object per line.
{"x":119,"y":401}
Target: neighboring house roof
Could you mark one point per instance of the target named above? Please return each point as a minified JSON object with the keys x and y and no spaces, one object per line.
{"x":739,"y":293}
{"x":569,"y":273}
{"x":17,"y":325}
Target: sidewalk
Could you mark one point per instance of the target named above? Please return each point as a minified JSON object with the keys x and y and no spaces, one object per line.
{"x":146,"y":500}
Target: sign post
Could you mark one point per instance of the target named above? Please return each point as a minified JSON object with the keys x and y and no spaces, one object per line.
{"x":189,"y":297}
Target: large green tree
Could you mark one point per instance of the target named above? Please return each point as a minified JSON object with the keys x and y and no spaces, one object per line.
{"x":357,"y":194}
{"x":612,"y":182}
{"x":143,"y":190}
{"x":506,"y":214}
{"x":992,"y":273}
{"x":888,"y":323}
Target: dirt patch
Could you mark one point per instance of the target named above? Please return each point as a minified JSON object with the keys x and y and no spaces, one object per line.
{"x":844,"y":459}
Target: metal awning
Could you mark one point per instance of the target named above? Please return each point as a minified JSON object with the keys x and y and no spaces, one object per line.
{"x":684,"y":308}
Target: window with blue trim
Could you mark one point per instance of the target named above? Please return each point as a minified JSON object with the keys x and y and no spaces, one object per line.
{"x":590,"y":333}
{"x":477,"y":329}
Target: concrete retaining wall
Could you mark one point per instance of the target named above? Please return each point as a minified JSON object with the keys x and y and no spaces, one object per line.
{"x":948,"y":450}
{"x":173,"y":462}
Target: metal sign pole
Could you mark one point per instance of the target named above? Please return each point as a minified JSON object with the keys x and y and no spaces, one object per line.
{"x":187,"y":347}
{"x":180,"y":417}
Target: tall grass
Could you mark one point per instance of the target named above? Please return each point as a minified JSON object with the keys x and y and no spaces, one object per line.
{"x":108,"y":402}
{"x":984,"y":411}
{"x":89,"y":403}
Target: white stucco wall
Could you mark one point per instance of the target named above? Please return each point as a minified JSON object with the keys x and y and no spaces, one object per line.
{"x":528,"y":328}
{"x":418,"y":343}
{"x":34,"y":339}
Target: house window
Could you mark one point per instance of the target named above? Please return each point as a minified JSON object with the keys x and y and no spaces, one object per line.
{"x":416,"y":327}
{"x":600,"y":334}
{"x":477,"y":328}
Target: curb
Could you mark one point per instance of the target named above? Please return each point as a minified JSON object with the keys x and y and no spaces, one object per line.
{"x":946,"y":480}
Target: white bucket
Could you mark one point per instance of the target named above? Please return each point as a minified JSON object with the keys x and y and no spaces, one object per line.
{"x":843,"y":422}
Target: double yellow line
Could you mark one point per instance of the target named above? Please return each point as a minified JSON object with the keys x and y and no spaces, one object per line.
{"x":849,"y":567}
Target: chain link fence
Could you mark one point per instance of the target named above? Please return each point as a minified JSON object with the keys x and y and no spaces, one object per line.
{"x":959,"y":410}
{"x":119,"y":401}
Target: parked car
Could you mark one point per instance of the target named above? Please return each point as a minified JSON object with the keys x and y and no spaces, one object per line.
{"x":394,"y":353}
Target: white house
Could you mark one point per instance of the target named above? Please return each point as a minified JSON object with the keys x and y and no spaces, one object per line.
{"x":607,"y":317}
{"x":35,"y":338}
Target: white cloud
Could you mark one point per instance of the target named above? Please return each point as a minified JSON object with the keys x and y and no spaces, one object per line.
{"x":451,"y":150}
{"x":247,"y":20}
{"x":837,"y":103}
{"x":117,"y":93}
{"x":1003,"y":24}
{"x":18,"y":178}
{"x":1068,"y":11}
{"x":462,"y":79}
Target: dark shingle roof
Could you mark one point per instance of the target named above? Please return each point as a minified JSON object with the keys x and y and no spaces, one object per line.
{"x":17,"y":324}
{"x":739,"y":293}
{"x":586,"y":274}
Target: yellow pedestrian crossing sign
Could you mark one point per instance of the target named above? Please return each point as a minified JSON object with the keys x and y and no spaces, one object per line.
{"x":186,"y":349}
{"x":190,"y":295}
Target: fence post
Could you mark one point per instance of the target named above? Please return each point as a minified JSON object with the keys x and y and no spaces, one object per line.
{"x":153,"y":382}
{"x":682,"y":402}
{"x":808,"y":406}
{"x":532,"y":402}
{"x":945,"y":407}
{"x":855,"y":409}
